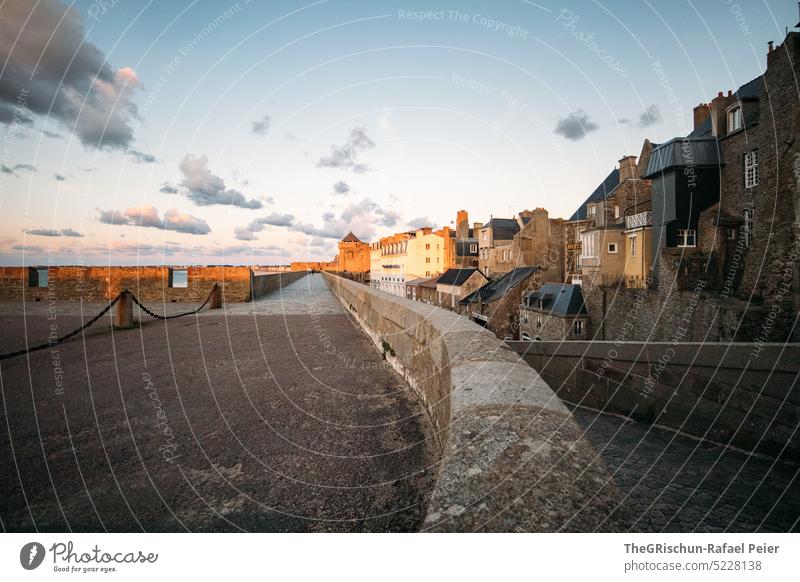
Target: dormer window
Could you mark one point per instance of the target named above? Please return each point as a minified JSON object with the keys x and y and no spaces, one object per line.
{"x":735,"y":119}
{"x":591,"y":211}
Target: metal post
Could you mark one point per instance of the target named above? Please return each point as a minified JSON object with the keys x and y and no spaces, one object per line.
{"x":216,"y":296}
{"x":124,"y":314}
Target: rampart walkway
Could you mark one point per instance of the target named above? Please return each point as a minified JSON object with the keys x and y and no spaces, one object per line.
{"x":277,"y":415}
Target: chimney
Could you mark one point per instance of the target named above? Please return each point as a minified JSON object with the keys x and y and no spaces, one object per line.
{"x":462,"y":224}
{"x":701,"y":113}
{"x":476,"y":226}
{"x":718,"y":117}
{"x":627,"y":168}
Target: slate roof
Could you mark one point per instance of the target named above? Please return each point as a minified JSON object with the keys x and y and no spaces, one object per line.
{"x":750,"y":90}
{"x":424,"y":282}
{"x":680,"y":153}
{"x":600,"y":193}
{"x":455,"y":277}
{"x":503,"y":228}
{"x":702,"y":130}
{"x":351,"y":238}
{"x":561,"y":300}
{"x":462,"y":247}
{"x":497,"y":288}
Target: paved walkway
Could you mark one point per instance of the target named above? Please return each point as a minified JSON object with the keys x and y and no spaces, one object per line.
{"x":278,"y":415}
{"x":674,"y":483}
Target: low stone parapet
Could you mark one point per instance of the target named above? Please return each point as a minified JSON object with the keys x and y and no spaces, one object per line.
{"x":263,"y":283}
{"x":744,"y":395}
{"x":512,"y":456}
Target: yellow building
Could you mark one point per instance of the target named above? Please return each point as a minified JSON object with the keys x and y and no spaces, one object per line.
{"x":429,"y":253}
{"x":638,"y":233}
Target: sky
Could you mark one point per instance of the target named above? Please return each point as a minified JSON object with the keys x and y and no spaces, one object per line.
{"x":189,"y":132}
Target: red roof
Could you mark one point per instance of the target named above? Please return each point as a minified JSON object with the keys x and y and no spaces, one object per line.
{"x":351,"y":238}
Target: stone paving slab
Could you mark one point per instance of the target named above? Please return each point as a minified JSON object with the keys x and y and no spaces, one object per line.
{"x":673,"y":483}
{"x":218,"y":423}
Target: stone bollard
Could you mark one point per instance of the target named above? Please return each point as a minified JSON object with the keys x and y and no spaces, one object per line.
{"x":216,"y":296}
{"x":124,"y":315}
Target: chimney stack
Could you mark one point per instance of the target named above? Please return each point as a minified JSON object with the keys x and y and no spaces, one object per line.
{"x":627,"y":168}
{"x":462,"y":224}
{"x":701,"y":112}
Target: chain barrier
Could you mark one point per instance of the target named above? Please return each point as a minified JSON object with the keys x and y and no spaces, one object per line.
{"x":135,"y":299}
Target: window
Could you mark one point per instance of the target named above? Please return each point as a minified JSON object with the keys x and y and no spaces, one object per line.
{"x":525,"y":337}
{"x":427,"y":259}
{"x":686,"y":237}
{"x":751,"y":169}
{"x":616,"y":211}
{"x":427,"y":247}
{"x":591,"y":211}
{"x":612,"y":248}
{"x":178,"y":278}
{"x":427,"y":273}
{"x":485,"y":234}
{"x":731,"y":234}
{"x":524,"y":317}
{"x":632,"y":245}
{"x":538,"y":320}
{"x":734,"y":119}
{"x":747,"y":226}
{"x":473,"y":248}
{"x":578,"y":327}
{"x":37,"y":277}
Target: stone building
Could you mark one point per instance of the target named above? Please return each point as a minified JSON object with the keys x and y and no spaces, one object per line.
{"x":540,"y":243}
{"x":465,"y":242}
{"x":496,"y":304}
{"x":422,"y":289}
{"x":582,"y":219}
{"x":725,"y":206}
{"x":455,"y":284}
{"x":554,"y":312}
{"x":611,"y":250}
{"x":354,"y":255}
{"x":494,"y":245}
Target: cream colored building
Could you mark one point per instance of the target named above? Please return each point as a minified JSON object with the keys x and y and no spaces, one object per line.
{"x":406,"y":256}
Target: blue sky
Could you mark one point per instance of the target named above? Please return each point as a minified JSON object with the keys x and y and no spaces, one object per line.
{"x":374,"y":117}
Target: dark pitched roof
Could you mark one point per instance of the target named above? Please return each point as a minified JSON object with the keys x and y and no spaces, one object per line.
{"x":702,"y":130}
{"x":503,"y":228}
{"x":600,"y":193}
{"x":560,"y":300}
{"x":424,"y":282}
{"x":679,"y":153}
{"x":455,"y":277}
{"x":497,"y":288}
{"x":750,"y":90}
{"x":351,"y":238}
{"x":463,"y":247}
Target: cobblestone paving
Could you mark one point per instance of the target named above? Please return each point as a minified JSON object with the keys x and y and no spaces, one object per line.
{"x":674,"y":483}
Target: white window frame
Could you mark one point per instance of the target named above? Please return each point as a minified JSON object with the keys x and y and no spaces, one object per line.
{"x":751,"y":169}
{"x":748,"y":226}
{"x":538,"y":320}
{"x":591,"y":211}
{"x":616,"y":249}
{"x":525,"y":337}
{"x":473,"y":248}
{"x":632,"y":244}
{"x":735,"y":119}
{"x":684,"y":234}
{"x":578,"y":327}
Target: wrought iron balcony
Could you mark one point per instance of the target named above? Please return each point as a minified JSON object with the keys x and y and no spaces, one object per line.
{"x":639,"y":220}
